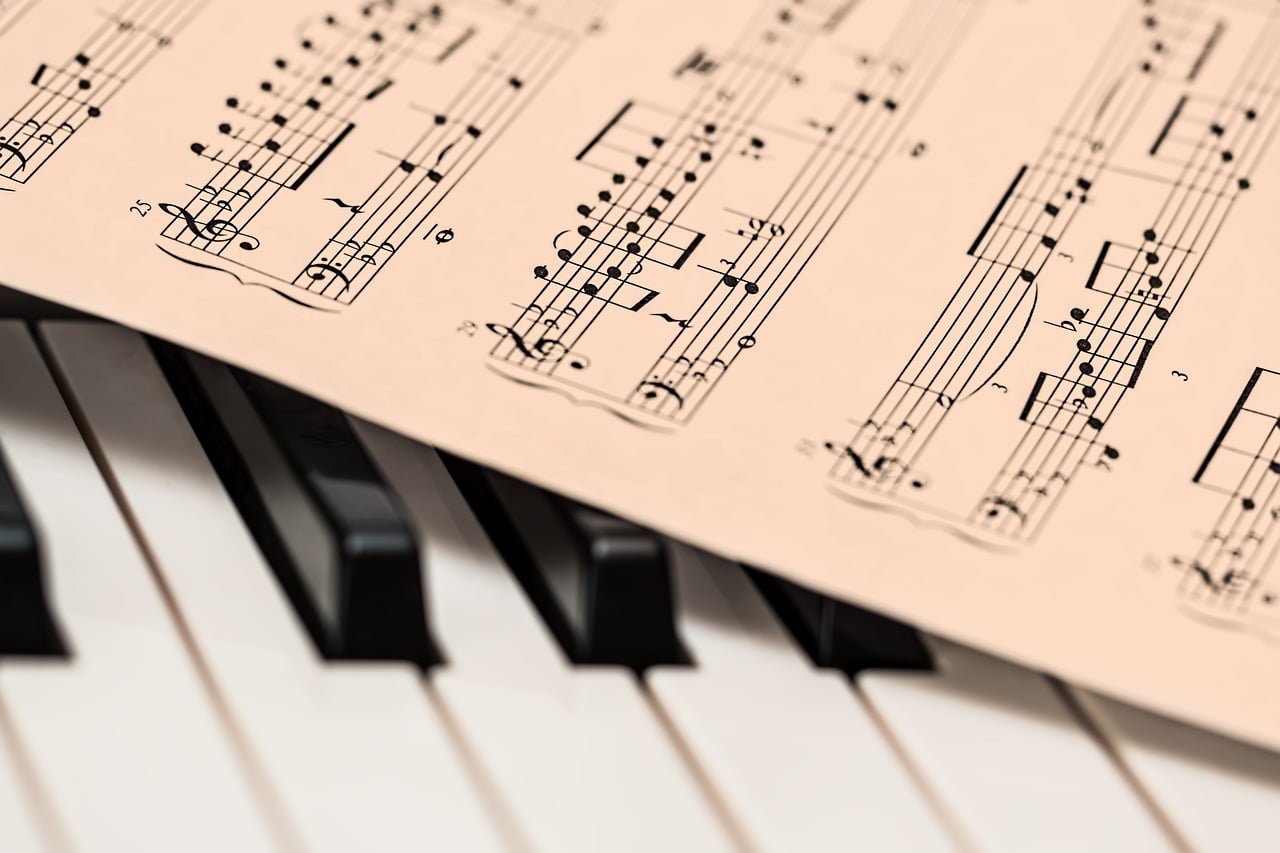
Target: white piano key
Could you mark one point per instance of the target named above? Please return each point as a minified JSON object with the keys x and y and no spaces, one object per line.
{"x":1007,"y":759}
{"x":478,"y":609}
{"x":1219,"y":794}
{"x":355,"y":751}
{"x":577,"y":754}
{"x":123,"y":737}
{"x":792,"y":751}
{"x":21,"y":830}
{"x":582,"y":761}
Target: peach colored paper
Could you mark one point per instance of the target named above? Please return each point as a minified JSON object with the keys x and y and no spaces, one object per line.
{"x":962,"y":309}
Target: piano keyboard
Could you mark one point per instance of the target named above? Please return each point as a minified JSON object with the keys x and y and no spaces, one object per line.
{"x":233,"y":618}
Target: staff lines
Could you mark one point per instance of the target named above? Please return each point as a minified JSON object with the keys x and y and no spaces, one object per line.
{"x":835,"y":163}
{"x":845,"y":194}
{"x":68,"y":96}
{"x":311,"y":83}
{"x":684,"y":130}
{"x":1141,"y":284}
{"x":1010,"y":274}
{"x":748,"y":275}
{"x":311,"y":108}
{"x":476,"y":113}
{"x":739,"y":124}
{"x":1228,"y":578}
{"x":1232,"y":106}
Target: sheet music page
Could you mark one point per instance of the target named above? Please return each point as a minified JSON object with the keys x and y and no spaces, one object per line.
{"x":964,"y":310}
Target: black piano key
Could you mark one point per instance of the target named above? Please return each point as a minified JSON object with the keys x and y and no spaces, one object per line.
{"x":27,"y":626}
{"x":603,"y":585}
{"x":322,"y":515}
{"x":837,"y":635}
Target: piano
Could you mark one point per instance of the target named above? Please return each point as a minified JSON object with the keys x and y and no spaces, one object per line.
{"x":233,"y":618}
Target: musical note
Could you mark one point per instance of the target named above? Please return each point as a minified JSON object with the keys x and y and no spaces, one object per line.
{"x":645,"y":222}
{"x":273,"y":144}
{"x":799,"y":213}
{"x":69,"y":94}
{"x":698,"y":63}
{"x":1223,"y":562}
{"x":1132,"y":286}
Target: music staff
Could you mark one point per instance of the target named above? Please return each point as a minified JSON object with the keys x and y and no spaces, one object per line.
{"x":1227,"y":580}
{"x":78,"y":90}
{"x":277,"y":140}
{"x":451,"y":140}
{"x":658,"y":163}
{"x":1208,"y":148}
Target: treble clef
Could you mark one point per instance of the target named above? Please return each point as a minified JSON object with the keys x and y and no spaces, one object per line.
{"x":215,"y":230}
{"x":542,"y":349}
{"x":516,"y":338}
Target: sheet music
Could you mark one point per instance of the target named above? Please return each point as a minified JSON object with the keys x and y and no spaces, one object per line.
{"x":69,"y":92}
{"x":961,"y":309}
